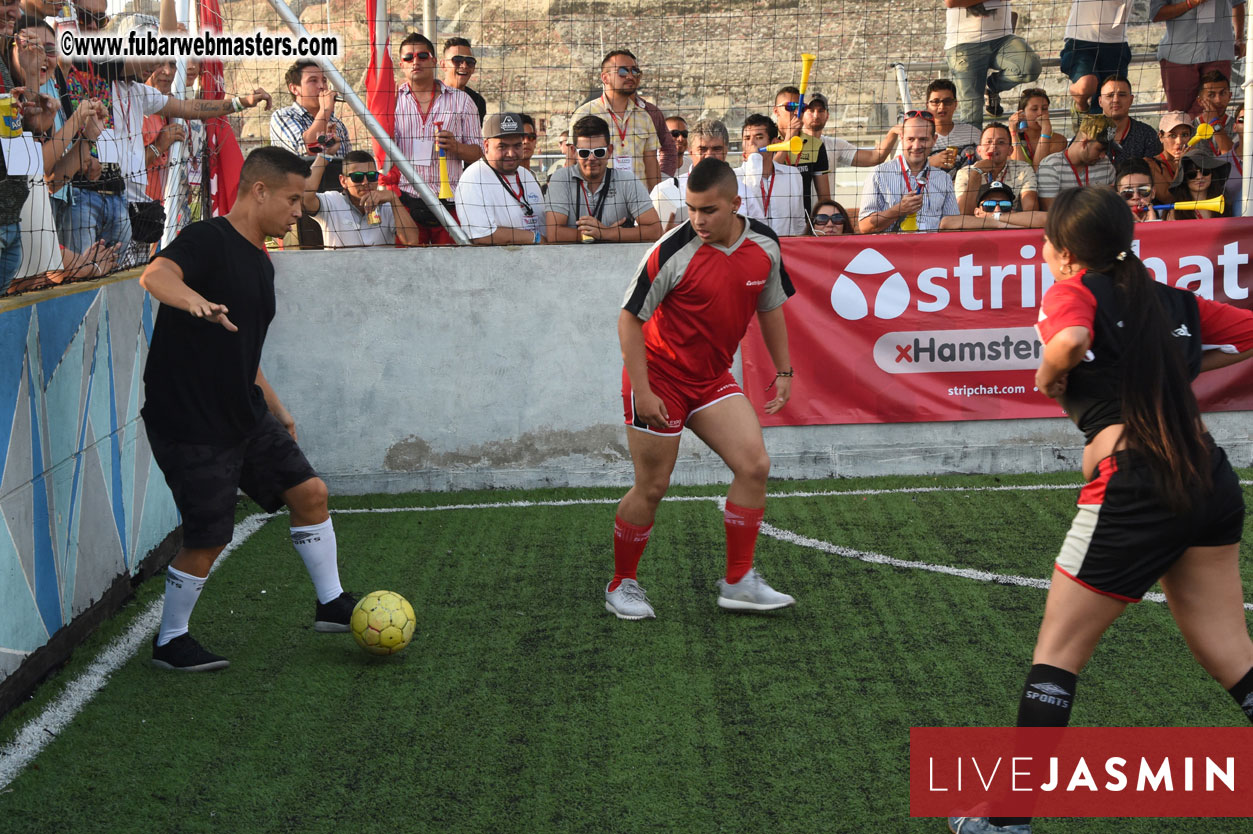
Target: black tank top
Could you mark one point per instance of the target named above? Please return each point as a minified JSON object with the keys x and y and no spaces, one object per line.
{"x":1092,"y":398}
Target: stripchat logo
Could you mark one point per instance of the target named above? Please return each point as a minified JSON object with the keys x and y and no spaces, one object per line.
{"x":890,"y":301}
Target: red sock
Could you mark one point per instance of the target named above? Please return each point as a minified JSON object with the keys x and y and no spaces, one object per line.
{"x":742,"y":525}
{"x":629,"y":541}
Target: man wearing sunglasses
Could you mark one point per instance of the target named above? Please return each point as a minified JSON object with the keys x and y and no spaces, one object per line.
{"x":812,"y":161}
{"x":459,"y":65}
{"x":634,"y":134}
{"x":677,"y":125}
{"x":590,"y":201}
{"x":499,"y":202}
{"x":432,"y":116}
{"x":1135,"y":185}
{"x":365,"y":214}
{"x":707,"y":138}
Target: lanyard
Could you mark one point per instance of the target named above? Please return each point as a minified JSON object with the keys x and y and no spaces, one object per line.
{"x":909,"y":185}
{"x":600,"y":201}
{"x":1073,"y":170}
{"x":1125,"y":131}
{"x":520,"y":196}
{"x":1169,"y":164}
{"x":422,"y":117}
{"x":619,"y":125}
{"x":765,"y":195}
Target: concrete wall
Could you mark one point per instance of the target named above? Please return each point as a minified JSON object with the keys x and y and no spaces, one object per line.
{"x":411,"y":370}
{"x":81,"y":501}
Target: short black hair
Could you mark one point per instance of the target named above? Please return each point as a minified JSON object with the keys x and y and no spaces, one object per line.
{"x":296,"y":71}
{"x":713,"y":173}
{"x":354,"y":157}
{"x":788,"y":90}
{"x":758,"y":120}
{"x":941,"y":84}
{"x":589,"y":127}
{"x":416,"y":37}
{"x":1118,"y":79}
{"x":1032,"y":92}
{"x":527,"y":119}
{"x":998,"y":126}
{"x":451,"y":42}
{"x":271,"y":164}
{"x":614,"y":54}
{"x":1215,"y":77}
{"x":1133,"y":166}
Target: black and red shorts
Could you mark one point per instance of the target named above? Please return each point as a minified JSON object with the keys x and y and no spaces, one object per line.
{"x":682,"y":399}
{"x":205,"y":478}
{"x":1124,"y":538}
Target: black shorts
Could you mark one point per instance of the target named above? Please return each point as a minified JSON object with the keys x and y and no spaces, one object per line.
{"x":1124,"y":539}
{"x":206,"y":478}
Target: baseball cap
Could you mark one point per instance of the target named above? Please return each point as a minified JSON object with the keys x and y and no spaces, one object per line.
{"x":817,"y":98}
{"x":996,"y":185}
{"x":502,"y":124}
{"x":1173,"y":119}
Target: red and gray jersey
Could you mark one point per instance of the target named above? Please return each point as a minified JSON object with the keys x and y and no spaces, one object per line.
{"x":1089,"y":300}
{"x":696,"y":299}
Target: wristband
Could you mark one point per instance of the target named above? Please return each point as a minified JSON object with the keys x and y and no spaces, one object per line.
{"x":537,"y":236}
{"x":327,"y":157}
{"x":788,"y":373}
{"x":153,"y":148}
{"x":1046,"y":136}
{"x":236,"y":104}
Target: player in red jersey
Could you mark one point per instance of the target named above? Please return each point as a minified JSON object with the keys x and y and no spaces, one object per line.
{"x":684,"y":315}
{"x":1161,"y":500}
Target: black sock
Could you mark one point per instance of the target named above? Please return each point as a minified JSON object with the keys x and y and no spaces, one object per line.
{"x":1046,"y":701}
{"x":1243,"y":693}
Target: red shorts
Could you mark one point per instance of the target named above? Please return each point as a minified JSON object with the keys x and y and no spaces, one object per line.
{"x":682,"y":399}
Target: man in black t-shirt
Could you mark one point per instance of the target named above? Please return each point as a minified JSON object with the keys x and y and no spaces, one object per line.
{"x":458,"y":65}
{"x":214,"y":423}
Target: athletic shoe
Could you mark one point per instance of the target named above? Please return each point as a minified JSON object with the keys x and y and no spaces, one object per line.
{"x":628,"y":601}
{"x":751,"y":593}
{"x":184,"y":654}
{"x":980,"y":825}
{"x":1076,"y":115}
{"x":335,"y":615}
{"x":994,"y":107}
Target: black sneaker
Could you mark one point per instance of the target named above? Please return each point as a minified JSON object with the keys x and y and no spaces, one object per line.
{"x":336,"y":614}
{"x":994,"y":107}
{"x":184,"y":654}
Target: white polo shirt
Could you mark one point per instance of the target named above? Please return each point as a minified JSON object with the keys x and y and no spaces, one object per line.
{"x":344,"y":225}
{"x":485,"y":204}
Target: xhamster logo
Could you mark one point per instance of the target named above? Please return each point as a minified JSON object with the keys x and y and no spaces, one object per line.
{"x":892,"y":298}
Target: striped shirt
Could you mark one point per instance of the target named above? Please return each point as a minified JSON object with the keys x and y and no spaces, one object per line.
{"x":416,"y":128}
{"x":288,"y":126}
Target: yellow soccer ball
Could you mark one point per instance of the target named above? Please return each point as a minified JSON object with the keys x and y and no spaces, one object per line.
{"x":382,"y":622}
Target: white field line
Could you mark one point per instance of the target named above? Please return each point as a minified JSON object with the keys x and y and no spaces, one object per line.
{"x":41,"y":730}
{"x":33,"y":737}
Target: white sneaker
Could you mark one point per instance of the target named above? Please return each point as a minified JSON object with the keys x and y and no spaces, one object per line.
{"x":751,"y":593}
{"x":628,"y":601}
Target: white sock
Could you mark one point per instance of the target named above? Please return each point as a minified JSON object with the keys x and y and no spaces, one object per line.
{"x":181,"y":592}
{"x":316,"y":545}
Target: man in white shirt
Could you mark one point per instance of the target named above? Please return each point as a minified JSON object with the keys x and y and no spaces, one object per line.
{"x":707,"y":138}
{"x":365,"y":214}
{"x":983,"y":53}
{"x":498,"y":202}
{"x":776,"y":192}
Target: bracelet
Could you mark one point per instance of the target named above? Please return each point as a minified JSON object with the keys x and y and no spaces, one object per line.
{"x":327,"y":157}
{"x":789,"y":373}
{"x":153,"y":147}
{"x":236,"y":104}
{"x":537,"y":236}
{"x":1046,"y":136}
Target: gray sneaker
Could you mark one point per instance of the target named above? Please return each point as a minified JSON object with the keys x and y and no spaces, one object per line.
{"x":751,"y":593}
{"x":628,"y":601}
{"x":980,"y":825}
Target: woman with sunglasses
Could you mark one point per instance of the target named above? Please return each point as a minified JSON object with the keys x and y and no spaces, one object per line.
{"x":1161,"y":501}
{"x":1201,"y":176}
{"x":1134,"y":184}
{"x":365,"y":214}
{"x":829,"y":218}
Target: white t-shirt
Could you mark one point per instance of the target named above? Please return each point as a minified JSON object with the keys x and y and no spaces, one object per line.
{"x":131,"y":102}
{"x":344,"y":225}
{"x":780,"y":203}
{"x":962,"y":27}
{"x":1097,"y":21}
{"x":670,"y":199}
{"x":485,"y":205}
{"x":839,"y":152}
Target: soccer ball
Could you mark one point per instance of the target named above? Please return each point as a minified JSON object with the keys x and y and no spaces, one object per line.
{"x":382,"y":622}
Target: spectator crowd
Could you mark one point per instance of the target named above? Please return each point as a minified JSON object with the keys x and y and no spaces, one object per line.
{"x":83,"y":183}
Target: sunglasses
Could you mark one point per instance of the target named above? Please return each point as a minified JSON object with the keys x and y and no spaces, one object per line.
{"x":359,"y":177}
{"x":623,"y":72}
{"x":920,"y":114}
{"x":824,"y":219}
{"x":1138,"y":191}
{"x":587,"y":153}
{"x":98,"y":20}
{"x":790,"y":106}
{"x":991,"y":205}
{"x":467,"y":60}
{"x":1196,"y":173}
{"x":415,"y":56}
{"x":679,"y":134}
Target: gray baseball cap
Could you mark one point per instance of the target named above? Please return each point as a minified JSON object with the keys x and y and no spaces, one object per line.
{"x":502,"y":124}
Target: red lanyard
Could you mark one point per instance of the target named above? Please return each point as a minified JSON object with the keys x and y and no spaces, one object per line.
{"x":909,"y":186}
{"x":765,"y":195}
{"x":625,"y":122}
{"x":1086,"y":176}
{"x":1026,"y":140}
{"x":1125,"y":131}
{"x":1169,"y":164}
{"x":422,"y":117}
{"x":521,"y":193}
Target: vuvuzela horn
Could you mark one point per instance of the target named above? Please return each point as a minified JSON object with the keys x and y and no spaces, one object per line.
{"x":807,"y":64}
{"x":1216,"y":204}
{"x":445,"y":187}
{"x":1203,"y":131}
{"x":792,"y":145}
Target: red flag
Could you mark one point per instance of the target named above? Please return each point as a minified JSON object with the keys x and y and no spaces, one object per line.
{"x":380,"y":82}
{"x":225,"y":157}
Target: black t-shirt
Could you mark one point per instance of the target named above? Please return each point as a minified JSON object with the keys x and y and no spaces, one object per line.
{"x":200,"y":382}
{"x":479,"y":102}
